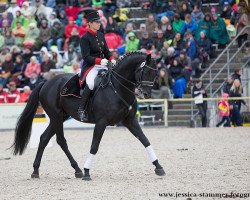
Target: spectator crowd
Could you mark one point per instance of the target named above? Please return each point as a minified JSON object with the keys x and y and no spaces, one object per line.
{"x":39,"y":36}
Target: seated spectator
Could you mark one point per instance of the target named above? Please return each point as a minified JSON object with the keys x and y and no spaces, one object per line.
{"x":158,"y":42}
{"x":3,"y":94}
{"x":103,"y":19}
{"x":46,"y":65}
{"x":242,"y":23}
{"x":29,"y":20}
{"x":15,"y":51}
{"x":40,"y":18}
{"x":204,"y":25}
{"x":191,"y":46}
{"x":120,"y":16}
{"x":97,"y":4}
{"x":186,"y":64}
{"x":218,"y":31}
{"x":79,"y":19}
{"x":112,"y":26}
{"x":235,"y":105}
{"x":5,"y":27}
{"x":52,"y":18}
{"x":164,"y":50}
{"x":26,"y":10}
{"x":56,"y":57}
{"x":189,"y":25}
{"x":132,"y":43}
{"x":83,"y":29}
{"x":74,"y":39}
{"x":113,"y":40}
{"x":109,"y":7}
{"x":204,"y":49}
{"x":72,"y":11}
{"x":34,"y":80}
{"x":24,"y":96}
{"x":169,"y":59}
{"x":69,"y":56}
{"x":169,"y":34}
{"x":32,"y":36}
{"x":57,"y":35}
{"x":27,"y":54}
{"x":7,"y":67}
{"x":19,"y":18}
{"x":177,"y":23}
{"x":41,"y":8}
{"x":18,"y":71}
{"x":178,"y":43}
{"x":178,"y":80}
{"x":9,"y":39}
{"x":32,"y":67}
{"x":151,"y":25}
{"x":128,"y":28}
{"x":164,"y":23}
{"x":63,"y":18}
{"x":145,"y":42}
{"x":44,"y":34}
{"x":226,"y":11}
{"x":184,"y":9}
{"x":4,"y":17}
{"x":197,"y":14}
{"x":19,"y":33}
{"x":228,"y":84}
{"x":12,"y":8}
{"x":161,"y":88}
{"x":141,"y":30}
{"x":13,"y":95}
{"x":69,"y":27}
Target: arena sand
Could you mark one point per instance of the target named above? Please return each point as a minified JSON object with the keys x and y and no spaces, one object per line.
{"x":195,"y":160}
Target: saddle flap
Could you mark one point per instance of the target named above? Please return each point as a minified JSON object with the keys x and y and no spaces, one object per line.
{"x":72,"y":87}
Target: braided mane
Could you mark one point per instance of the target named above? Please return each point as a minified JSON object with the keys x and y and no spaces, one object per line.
{"x":129,"y":54}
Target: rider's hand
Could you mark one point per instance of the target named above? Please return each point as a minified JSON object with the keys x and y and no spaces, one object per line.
{"x":113,"y":61}
{"x":104,"y":62}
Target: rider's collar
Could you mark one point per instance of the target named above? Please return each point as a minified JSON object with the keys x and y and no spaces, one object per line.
{"x":92,"y":32}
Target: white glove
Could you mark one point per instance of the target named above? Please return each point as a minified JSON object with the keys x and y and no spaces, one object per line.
{"x":104,"y":62}
{"x":113,"y":61}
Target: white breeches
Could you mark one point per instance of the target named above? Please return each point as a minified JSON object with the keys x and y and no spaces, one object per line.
{"x":90,"y":79}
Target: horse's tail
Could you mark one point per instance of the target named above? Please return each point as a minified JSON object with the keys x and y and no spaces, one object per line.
{"x":24,"y":123}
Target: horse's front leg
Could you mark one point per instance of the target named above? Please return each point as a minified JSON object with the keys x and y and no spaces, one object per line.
{"x":97,"y":136}
{"x":134,"y":127}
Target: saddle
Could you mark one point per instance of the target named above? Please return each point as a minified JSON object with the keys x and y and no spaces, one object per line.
{"x":72,"y":87}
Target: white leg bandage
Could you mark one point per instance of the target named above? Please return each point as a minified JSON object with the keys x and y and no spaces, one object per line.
{"x":89,"y":160}
{"x":151,"y":154}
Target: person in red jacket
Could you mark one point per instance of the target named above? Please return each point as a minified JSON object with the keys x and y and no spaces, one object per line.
{"x":224,"y":111}
{"x":24,"y":96}
{"x":13,"y":95}
{"x":3,"y":94}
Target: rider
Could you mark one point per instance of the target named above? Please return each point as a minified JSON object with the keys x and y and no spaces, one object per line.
{"x":95,"y":54}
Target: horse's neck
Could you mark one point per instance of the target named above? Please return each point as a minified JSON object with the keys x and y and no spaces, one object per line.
{"x":127,"y":71}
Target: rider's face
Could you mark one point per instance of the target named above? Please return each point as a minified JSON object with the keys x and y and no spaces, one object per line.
{"x":95,"y":25}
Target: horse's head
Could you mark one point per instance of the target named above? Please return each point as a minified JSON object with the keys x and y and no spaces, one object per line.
{"x":145,"y":75}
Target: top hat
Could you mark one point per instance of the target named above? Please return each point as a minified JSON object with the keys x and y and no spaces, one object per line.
{"x":92,"y":15}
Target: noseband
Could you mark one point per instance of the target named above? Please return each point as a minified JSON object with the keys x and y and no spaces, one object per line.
{"x":139,"y":73}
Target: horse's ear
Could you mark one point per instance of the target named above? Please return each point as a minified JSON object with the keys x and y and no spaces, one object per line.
{"x":148,"y":58}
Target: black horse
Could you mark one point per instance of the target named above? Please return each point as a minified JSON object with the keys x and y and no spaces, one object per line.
{"x":109,"y":105}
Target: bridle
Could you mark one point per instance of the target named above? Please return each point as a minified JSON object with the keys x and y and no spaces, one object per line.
{"x":138,"y":77}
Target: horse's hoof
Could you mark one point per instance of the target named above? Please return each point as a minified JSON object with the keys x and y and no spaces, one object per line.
{"x":79,"y":175}
{"x":86,"y":178}
{"x":35,"y":176}
{"x":160,"y":172}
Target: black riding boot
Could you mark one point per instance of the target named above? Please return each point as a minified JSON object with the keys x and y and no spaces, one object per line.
{"x":81,"y":110}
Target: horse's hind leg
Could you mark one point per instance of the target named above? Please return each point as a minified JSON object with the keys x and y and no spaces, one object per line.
{"x":134,"y":127}
{"x":63,"y":144}
{"x":44,"y":140}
